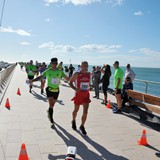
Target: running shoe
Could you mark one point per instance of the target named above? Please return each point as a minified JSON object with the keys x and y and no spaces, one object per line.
{"x":117,"y":110}
{"x":94,"y":96}
{"x":82,"y":130}
{"x":74,"y":127}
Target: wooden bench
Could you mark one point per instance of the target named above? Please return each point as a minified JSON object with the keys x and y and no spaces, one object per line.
{"x":146,"y":101}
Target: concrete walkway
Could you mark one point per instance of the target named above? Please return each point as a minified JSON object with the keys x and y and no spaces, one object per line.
{"x":110,"y":136}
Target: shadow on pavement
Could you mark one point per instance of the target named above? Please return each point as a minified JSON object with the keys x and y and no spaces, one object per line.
{"x":60,"y":102}
{"x":38,"y":96}
{"x":82,"y":149}
{"x":153,"y":148}
{"x":144,"y":118}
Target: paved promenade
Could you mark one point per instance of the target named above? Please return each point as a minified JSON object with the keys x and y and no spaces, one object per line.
{"x":110,"y":136}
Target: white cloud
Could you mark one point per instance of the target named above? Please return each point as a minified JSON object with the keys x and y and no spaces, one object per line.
{"x":138,"y":13}
{"x":25,"y":43}
{"x":48,"y":45}
{"x":99,"y":48}
{"x":146,"y":51}
{"x":115,"y":2}
{"x":84,"y":2}
{"x":47,"y":19}
{"x":95,"y":48}
{"x":20,"y":32}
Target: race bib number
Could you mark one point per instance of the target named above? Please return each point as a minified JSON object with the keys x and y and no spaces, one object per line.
{"x":84,"y":86}
{"x":30,"y":72}
{"x":55,"y":81}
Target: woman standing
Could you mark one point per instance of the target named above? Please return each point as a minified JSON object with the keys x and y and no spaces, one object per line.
{"x":106,"y":70}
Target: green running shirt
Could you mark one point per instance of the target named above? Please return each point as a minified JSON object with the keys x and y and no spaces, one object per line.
{"x":118,"y":74}
{"x":53,"y":77}
{"x":31,"y":69}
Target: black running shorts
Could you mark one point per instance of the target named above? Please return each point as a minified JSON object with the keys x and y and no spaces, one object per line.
{"x":52,"y":94}
{"x":30,"y":77}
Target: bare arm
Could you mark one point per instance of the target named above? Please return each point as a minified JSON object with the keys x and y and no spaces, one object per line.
{"x":74,"y":77}
{"x":66,"y":78}
{"x":37,"y":79}
{"x":118,"y":83}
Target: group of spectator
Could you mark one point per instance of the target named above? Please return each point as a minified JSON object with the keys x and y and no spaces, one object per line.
{"x":120,"y":85}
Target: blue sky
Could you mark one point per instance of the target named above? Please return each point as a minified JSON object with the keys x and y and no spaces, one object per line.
{"x":99,"y":31}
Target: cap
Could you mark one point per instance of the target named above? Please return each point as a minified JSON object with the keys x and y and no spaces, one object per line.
{"x":116,"y":62}
{"x":54,"y":60}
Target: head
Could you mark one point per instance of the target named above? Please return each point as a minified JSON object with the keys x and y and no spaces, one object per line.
{"x":116,"y":64}
{"x":128,"y":66}
{"x":43,"y":64}
{"x":61,"y":63}
{"x":98,"y":68}
{"x":54,"y":62}
{"x":93,"y":68}
{"x":127,"y":80}
{"x":31,"y":62}
{"x":107,"y":69}
{"x":84,"y":66}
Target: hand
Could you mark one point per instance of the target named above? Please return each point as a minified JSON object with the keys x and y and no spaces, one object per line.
{"x":115,"y":91}
{"x":77,"y":89}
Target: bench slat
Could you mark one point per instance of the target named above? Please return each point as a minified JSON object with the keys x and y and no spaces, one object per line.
{"x":149,"y":107}
{"x":147,"y":98}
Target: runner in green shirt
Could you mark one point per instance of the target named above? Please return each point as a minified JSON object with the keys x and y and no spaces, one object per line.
{"x":30,"y":69}
{"x":53,"y":76}
{"x":118,"y":78}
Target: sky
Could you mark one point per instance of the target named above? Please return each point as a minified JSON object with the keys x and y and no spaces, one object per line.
{"x":97,"y":31}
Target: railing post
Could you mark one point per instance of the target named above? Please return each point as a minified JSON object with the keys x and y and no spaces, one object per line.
{"x":146,"y":86}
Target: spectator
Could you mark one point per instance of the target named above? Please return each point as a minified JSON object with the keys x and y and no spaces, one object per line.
{"x":71,"y":69}
{"x":129,"y":73}
{"x":93,"y":70}
{"x":127,"y":85}
{"x":97,"y":77}
{"x":118,"y":78}
{"x":106,"y":70}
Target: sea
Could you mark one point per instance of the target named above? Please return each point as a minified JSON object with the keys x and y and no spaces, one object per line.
{"x":147,"y":80}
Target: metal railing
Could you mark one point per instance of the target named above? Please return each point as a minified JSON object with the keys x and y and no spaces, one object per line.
{"x":4,"y":76}
{"x":149,"y":87}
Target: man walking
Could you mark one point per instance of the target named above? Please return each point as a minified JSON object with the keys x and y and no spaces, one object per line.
{"x":82,"y":96}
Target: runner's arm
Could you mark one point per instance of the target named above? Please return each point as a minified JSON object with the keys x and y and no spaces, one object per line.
{"x":74,"y":77}
{"x":37,"y":79}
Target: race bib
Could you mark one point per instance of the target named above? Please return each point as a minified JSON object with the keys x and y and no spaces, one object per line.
{"x":30,"y":72}
{"x":84,"y":86}
{"x":55,"y":81}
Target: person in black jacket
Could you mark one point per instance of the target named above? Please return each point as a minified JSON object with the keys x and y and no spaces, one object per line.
{"x":106,"y":70}
{"x":127,"y":85}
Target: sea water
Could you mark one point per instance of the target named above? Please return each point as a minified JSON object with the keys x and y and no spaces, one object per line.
{"x":144,"y":74}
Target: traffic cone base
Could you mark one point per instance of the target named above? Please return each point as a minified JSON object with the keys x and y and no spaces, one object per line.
{"x":108,"y":104}
{"x":7,"y":105}
{"x":18,"y":92}
{"x":143,"y":140}
{"x":23,"y":153}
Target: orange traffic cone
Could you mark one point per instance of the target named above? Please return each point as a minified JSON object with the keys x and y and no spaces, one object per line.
{"x":143,"y":140}
{"x":18,"y":92}
{"x":23,"y":153}
{"x":108,"y":104}
{"x":7,"y":105}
